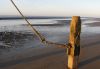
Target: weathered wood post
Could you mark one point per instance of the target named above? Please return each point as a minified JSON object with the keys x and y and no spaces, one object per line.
{"x":74,"y":42}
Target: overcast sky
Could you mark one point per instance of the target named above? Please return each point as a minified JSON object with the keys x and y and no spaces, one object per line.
{"x":52,"y":7}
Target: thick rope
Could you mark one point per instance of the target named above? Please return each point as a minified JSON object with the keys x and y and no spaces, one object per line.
{"x":42,"y":39}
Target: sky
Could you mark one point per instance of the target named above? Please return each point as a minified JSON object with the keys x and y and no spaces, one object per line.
{"x":52,"y":7}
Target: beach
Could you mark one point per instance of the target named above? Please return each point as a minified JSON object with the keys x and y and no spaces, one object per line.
{"x":53,"y":57}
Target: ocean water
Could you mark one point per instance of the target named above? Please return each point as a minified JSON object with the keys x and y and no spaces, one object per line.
{"x":19,"y":25}
{"x":19,"y":36}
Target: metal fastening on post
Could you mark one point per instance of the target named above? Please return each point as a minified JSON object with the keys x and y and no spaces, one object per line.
{"x":68,"y":49}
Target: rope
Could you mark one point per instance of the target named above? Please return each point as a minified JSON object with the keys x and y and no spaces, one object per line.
{"x":37,"y":33}
{"x":29,"y":24}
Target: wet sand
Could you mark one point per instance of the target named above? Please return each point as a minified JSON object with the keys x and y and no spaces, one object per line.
{"x":90,"y":53}
{"x":56,"y":58}
{"x":42,"y":58}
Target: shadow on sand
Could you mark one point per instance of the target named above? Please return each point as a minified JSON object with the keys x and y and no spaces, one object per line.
{"x":83,"y":63}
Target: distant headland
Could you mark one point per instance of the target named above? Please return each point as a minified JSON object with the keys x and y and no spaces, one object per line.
{"x":31,"y":17}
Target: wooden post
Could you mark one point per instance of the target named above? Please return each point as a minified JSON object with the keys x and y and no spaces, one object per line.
{"x":74,"y":43}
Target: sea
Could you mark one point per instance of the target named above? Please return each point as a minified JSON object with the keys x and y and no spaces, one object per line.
{"x":16,"y":35}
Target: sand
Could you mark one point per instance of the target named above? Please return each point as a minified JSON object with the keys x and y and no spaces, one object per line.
{"x":56,"y":58}
{"x":44,"y":58}
{"x":90,"y":52}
